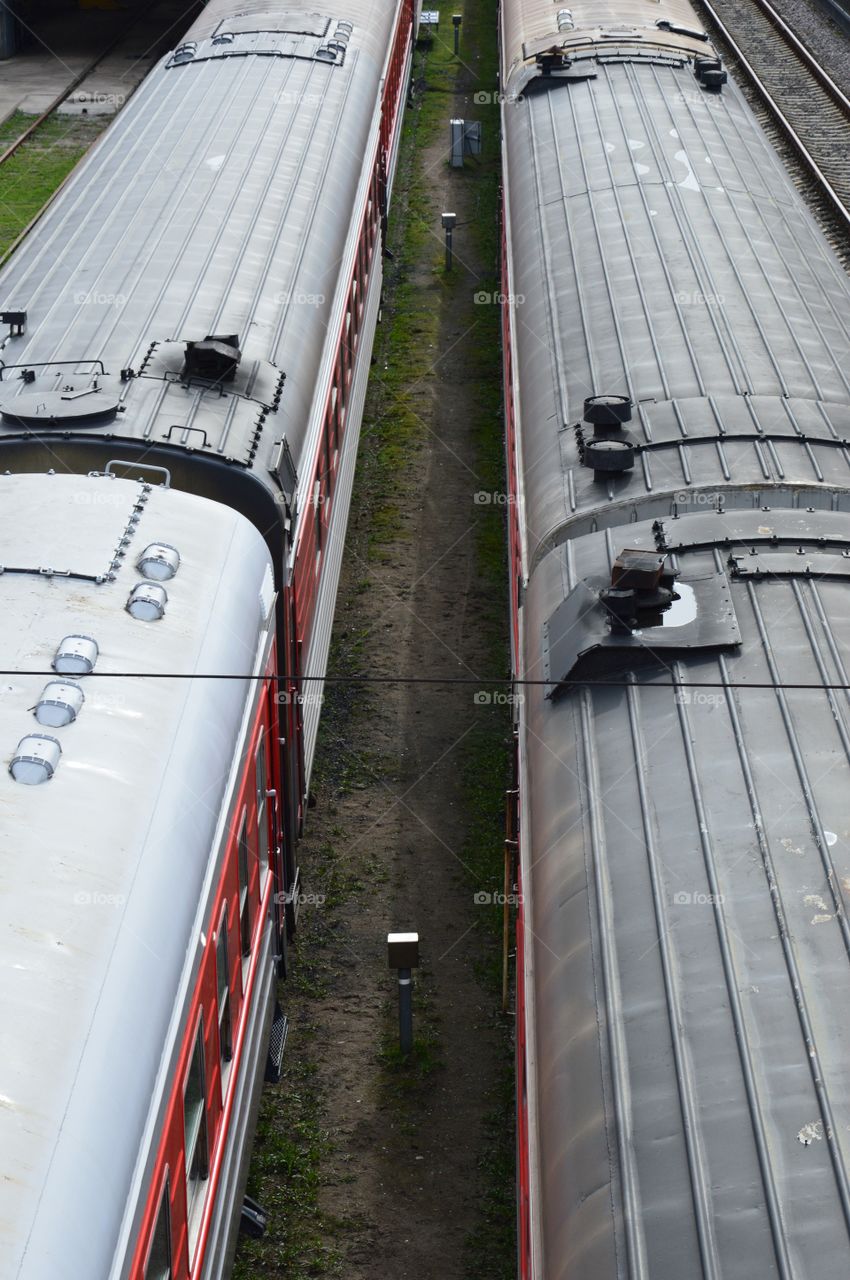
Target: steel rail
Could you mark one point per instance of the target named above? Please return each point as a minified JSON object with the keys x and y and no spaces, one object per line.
{"x":838,"y":208}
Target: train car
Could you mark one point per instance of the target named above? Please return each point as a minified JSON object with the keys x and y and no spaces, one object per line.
{"x":202,"y":296}
{"x":677,"y":381}
{"x":187,"y":335}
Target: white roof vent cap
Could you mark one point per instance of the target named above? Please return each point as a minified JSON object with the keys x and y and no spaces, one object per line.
{"x":59,"y":704}
{"x":75,"y":656}
{"x":35,"y":759}
{"x":147,"y":602}
{"x":159,"y":561}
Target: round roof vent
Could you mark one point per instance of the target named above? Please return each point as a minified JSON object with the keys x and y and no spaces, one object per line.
{"x":59,"y":704}
{"x":35,"y":759}
{"x":75,"y":656}
{"x":159,"y":561}
{"x":147,"y":602}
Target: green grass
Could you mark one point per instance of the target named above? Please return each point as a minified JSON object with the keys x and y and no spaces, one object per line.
{"x":293,"y":1143}
{"x":32,"y":175}
{"x":290,"y":1151}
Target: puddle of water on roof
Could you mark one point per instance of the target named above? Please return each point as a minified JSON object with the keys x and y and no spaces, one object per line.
{"x":683,"y":610}
{"x":689,"y":182}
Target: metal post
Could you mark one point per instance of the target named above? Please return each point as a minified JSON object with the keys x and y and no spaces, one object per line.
{"x":403,"y":955}
{"x":405,"y":1010}
{"x":449,"y":222}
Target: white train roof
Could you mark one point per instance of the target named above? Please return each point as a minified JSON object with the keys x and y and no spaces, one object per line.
{"x":224,"y":200}
{"x":104,"y":869}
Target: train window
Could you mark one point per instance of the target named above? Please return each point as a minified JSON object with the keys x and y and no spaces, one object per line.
{"x":158,"y":1265}
{"x":195,"y":1122}
{"x":222,"y":969}
{"x":244,"y":895}
{"x":261,"y":774}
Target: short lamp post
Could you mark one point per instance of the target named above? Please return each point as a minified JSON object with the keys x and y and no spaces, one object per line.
{"x":449,"y":223}
{"x":457,"y":19}
{"x":403,"y":955}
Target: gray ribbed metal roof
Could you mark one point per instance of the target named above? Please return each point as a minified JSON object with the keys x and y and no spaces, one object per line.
{"x":689,"y":868}
{"x":679,"y":266}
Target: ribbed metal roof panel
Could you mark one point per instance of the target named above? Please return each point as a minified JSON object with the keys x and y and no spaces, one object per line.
{"x":220,"y":201}
{"x":690,"y":850}
{"x":661,"y":251}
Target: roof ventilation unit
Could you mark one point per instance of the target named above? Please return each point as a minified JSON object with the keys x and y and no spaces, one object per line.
{"x":59,"y":704}
{"x":185,"y":52}
{"x":215,"y":359}
{"x":75,"y":656}
{"x":607,"y":414}
{"x":159,"y":561}
{"x":35,"y":759}
{"x":147,"y":602}
{"x":641,"y":588}
{"x":565,"y":20}
{"x":709,"y":72}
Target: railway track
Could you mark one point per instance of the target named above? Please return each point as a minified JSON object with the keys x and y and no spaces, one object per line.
{"x":804,"y":102}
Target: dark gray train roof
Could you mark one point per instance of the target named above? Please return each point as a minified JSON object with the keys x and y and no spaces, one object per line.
{"x":220,"y":202}
{"x":660,"y":250}
{"x":688,"y":869}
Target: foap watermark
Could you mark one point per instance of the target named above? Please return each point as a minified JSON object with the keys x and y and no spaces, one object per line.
{"x":696,"y":298}
{"x":102,"y":497}
{"x":293,"y":699}
{"x":95,"y":299}
{"x":484,"y":899}
{"x":685,"y":498}
{"x":485,"y":99}
{"x":300,"y":899}
{"x":291,"y":98}
{"x":96,"y":102}
{"x":694,"y":98}
{"x":298,"y":298}
{"x":685,"y":899}
{"x":94,"y":898}
{"x":499,"y":698}
{"x":700,"y":698}
{"x":483,"y":498}
{"x":484,"y":298}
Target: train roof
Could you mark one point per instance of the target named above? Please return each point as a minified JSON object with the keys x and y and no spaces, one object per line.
{"x":223,"y":201}
{"x":537,"y":35}
{"x":685,"y":898}
{"x":104,"y":867}
{"x":659,"y":250}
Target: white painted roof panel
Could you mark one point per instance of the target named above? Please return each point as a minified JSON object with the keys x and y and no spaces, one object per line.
{"x":103,"y":868}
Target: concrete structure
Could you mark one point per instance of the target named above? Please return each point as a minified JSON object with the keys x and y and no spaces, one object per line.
{"x":44,"y":54}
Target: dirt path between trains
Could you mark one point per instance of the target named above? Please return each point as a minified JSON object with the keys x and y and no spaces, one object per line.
{"x":406,"y":1168}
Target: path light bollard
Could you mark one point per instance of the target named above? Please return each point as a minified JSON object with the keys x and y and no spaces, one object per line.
{"x":403,"y":955}
{"x":449,"y":221}
{"x":457,"y":19}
